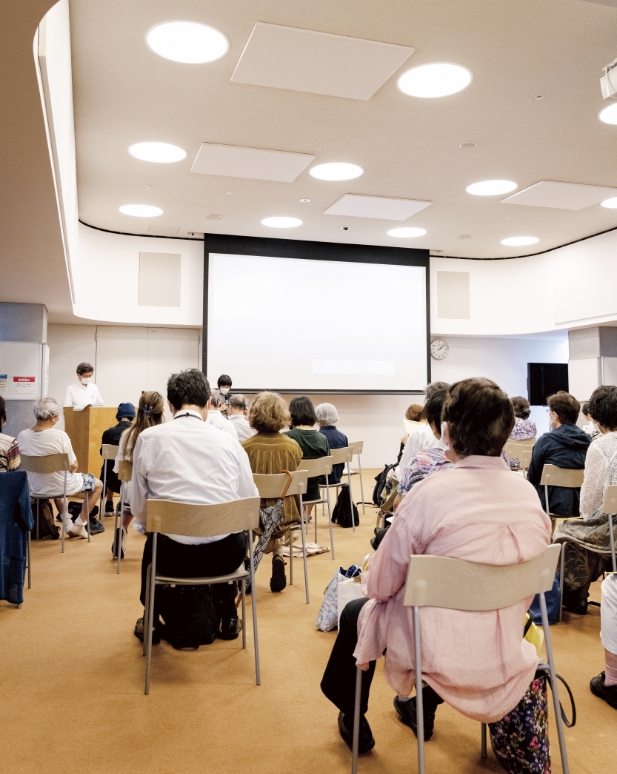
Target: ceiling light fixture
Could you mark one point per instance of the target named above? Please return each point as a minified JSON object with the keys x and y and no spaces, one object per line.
{"x":407,"y":232}
{"x":141,"y":210}
{"x":187,"y":42}
{"x":157,"y":152}
{"x":305,"y":201}
{"x":336,"y":170}
{"x":609,"y":114}
{"x":519,"y":241}
{"x":434,"y":80}
{"x":610,"y":204}
{"x":281,"y":222}
{"x":491,"y":187}
{"x":465,"y":145}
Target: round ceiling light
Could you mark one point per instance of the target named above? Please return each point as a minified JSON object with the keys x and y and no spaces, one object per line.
{"x":519,"y":241}
{"x":157,"y":152}
{"x":610,"y":204}
{"x":187,"y":42}
{"x":491,"y":187}
{"x":336,"y":170}
{"x":434,"y":80}
{"x":609,"y":114}
{"x":281,"y":222}
{"x":407,"y":232}
{"x":141,"y":210}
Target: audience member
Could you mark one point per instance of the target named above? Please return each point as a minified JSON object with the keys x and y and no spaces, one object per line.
{"x":216,"y":418}
{"x":44,"y":439}
{"x":524,"y":428}
{"x":270,"y":452}
{"x":421,"y":436}
{"x":477,"y":511}
{"x":84,"y":392}
{"x":605,"y":684}
{"x":237,"y":410}
{"x":590,"y":426}
{"x":124,"y":417}
{"x":188,"y":460}
{"x":413,"y":413}
{"x":566,"y":447}
{"x":149,"y":413}
{"x":582,"y":564}
{"x":9,"y":448}
{"x":312,"y":442}
{"x":223,"y":385}
{"x":327,"y":417}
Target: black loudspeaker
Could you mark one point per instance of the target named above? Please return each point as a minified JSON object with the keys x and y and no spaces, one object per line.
{"x":544,"y":379}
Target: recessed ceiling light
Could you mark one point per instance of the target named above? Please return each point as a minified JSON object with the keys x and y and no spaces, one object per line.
{"x":141,"y":210}
{"x":519,"y":241}
{"x":281,"y":222}
{"x":610,"y":204}
{"x":491,"y":187}
{"x":407,"y":232}
{"x":466,"y":236}
{"x":187,"y":42}
{"x":465,"y":145}
{"x":609,"y":114}
{"x":336,"y":170}
{"x":214,"y":217}
{"x":434,"y":80}
{"x":305,"y":201}
{"x":158,"y":152}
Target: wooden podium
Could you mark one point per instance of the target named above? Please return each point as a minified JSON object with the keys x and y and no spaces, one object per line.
{"x":85,"y":429}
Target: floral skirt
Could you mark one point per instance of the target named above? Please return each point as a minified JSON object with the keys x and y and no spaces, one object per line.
{"x":583,"y":566}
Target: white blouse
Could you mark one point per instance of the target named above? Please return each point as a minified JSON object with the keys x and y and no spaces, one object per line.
{"x":600,"y":473}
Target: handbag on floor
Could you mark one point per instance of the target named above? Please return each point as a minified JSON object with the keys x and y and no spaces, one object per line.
{"x":190,"y":615}
{"x":45,"y":529}
{"x":341,"y":514}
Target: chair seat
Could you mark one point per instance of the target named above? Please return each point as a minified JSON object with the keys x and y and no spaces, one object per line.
{"x":240,"y":574}
{"x":314,"y":502}
{"x":48,"y":496}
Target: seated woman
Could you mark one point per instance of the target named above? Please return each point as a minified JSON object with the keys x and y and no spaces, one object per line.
{"x":327,"y":417}
{"x":9,"y":448}
{"x":524,"y":428}
{"x":312,"y":442}
{"x":269,"y":452}
{"x":44,"y":439}
{"x":566,"y":446}
{"x":590,"y":426}
{"x":582,"y":567}
{"x":149,"y":413}
{"x":477,"y":511}
{"x":125,"y":415}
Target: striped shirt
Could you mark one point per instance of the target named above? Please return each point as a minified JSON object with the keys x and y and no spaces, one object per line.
{"x":10,"y":458}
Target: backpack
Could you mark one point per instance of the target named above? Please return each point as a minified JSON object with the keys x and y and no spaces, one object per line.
{"x":381,"y":479}
{"x":190,"y":615}
{"x":341,"y":514}
{"x":45,"y":529}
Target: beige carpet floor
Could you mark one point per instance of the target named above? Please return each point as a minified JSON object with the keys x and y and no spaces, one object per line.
{"x":72,"y":678}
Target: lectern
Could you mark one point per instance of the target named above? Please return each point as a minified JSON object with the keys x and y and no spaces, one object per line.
{"x":85,"y":429}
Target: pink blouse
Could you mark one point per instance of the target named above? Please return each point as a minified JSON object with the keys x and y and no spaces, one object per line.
{"x":479,"y":663}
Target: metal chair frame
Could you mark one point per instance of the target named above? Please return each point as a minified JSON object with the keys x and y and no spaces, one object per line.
{"x":339,"y":456}
{"x":125,"y":473}
{"x":322,"y":466}
{"x":357,"y":447}
{"x":568,"y":478}
{"x":521,"y":450}
{"x":109,"y":451}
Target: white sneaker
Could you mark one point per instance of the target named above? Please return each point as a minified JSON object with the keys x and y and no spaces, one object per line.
{"x":76,"y":530}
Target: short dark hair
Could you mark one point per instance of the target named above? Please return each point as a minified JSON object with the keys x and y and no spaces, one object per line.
{"x":522,"y":407}
{"x":480,"y":417}
{"x":603,"y":406}
{"x":224,"y":381}
{"x":565,"y":406}
{"x":585,"y":409}
{"x":84,"y":368}
{"x":433,"y":408}
{"x":302,"y":411}
{"x":435,"y":387}
{"x":2,"y":411}
{"x":189,"y":386}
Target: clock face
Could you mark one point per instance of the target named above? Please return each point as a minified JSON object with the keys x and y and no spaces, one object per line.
{"x":439,"y":349}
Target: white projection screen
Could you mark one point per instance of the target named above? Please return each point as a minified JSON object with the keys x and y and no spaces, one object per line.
{"x":301,"y":325}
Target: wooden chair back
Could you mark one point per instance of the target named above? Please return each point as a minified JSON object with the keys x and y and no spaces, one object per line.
{"x":109,"y":451}
{"x":51,"y":463}
{"x":192,"y":520}
{"x":342,"y":455}
{"x":125,"y":470}
{"x":555,"y":476}
{"x":609,"y":504}
{"x":322,"y":466}
{"x":273,"y":485}
{"x":357,"y":446}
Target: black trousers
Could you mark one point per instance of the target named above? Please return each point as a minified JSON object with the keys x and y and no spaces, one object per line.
{"x":184,"y":561}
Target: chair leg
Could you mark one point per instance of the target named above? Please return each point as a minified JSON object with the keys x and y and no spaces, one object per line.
{"x":562,"y":558}
{"x":84,"y":509}
{"x":483,"y":740}
{"x":150,"y":614}
{"x":353,"y":521}
{"x":254,"y":610}
{"x":361,"y":484}
{"x":118,"y":520}
{"x":356,"y":722}
{"x":551,"y":663}
{"x":306,"y":586}
{"x":610,"y":527}
{"x":315,"y":511}
{"x":419,"y":697}
{"x":28,"y":544}
{"x":146,"y":607}
{"x":37,"y":516}
{"x":64,"y":511}
{"x":244,"y":614}
{"x":291,"y":559}
{"x":330,"y":522}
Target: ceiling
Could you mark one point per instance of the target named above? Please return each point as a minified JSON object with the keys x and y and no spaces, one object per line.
{"x":409,"y":148}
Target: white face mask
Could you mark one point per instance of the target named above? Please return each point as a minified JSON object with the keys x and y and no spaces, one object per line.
{"x":85,"y":379}
{"x":446,"y":446}
{"x":224,"y":390}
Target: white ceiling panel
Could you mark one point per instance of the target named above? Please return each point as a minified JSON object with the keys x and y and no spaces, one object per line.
{"x":561,"y":196}
{"x":376,"y":207}
{"x":317,"y":62}
{"x":250,"y":163}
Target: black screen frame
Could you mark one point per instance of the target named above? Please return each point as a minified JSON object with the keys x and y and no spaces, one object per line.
{"x":314,"y":251}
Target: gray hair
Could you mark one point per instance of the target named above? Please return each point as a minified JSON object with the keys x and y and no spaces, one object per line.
{"x":238,"y":402}
{"x":434,"y":387}
{"x":326,"y":414}
{"x":217,"y":399}
{"x":46,"y":408}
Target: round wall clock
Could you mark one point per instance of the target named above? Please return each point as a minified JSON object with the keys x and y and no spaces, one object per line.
{"x":439,"y":349}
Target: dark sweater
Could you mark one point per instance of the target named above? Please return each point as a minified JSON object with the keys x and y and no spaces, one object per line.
{"x":336,"y":440}
{"x":112,"y":437}
{"x":15,"y":521}
{"x":565,"y":447}
{"x":314,"y":445}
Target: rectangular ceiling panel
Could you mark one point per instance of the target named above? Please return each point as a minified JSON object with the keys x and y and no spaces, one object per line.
{"x":253,"y":163}
{"x":376,"y":207}
{"x":561,"y":196}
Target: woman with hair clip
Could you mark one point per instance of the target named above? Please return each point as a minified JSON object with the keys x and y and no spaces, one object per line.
{"x":149,"y":413}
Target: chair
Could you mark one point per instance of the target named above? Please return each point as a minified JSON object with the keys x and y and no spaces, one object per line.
{"x":441,"y":581}
{"x":200,"y":521}
{"x":357,"y":447}
{"x":521,"y":450}
{"x":340,"y":456}
{"x":273,"y":486}
{"x":51,"y":463}
{"x":125,"y":473}
{"x":109,"y":452}
{"x":565,"y":477}
{"x":322,"y":466}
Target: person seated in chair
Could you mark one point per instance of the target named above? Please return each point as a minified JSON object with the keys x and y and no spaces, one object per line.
{"x":217,"y":418}
{"x":188,"y":460}
{"x":478,"y":511}
{"x":9,"y":448}
{"x":311,"y":441}
{"x":124,"y":418}
{"x":237,"y":412}
{"x":327,"y":417}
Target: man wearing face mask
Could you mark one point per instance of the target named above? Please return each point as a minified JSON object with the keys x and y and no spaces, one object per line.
{"x":84,"y":392}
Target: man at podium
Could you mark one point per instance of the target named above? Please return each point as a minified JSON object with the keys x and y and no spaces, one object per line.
{"x":84,"y":392}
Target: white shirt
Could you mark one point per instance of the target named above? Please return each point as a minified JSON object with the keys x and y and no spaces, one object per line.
{"x":216,"y":419}
{"x":40,"y":443}
{"x":190,"y":461}
{"x":80,"y":395}
{"x":120,"y":457}
{"x":241,"y":424}
{"x":421,"y":437}
{"x":600,"y":473}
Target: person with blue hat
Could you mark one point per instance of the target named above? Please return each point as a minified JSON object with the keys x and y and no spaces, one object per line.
{"x":125,"y":416}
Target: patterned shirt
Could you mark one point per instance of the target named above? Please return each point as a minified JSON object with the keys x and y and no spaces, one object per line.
{"x":10,"y":458}
{"x":523,"y":430}
{"x":423,"y":464}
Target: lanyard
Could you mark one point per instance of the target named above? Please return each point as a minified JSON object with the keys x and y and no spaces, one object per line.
{"x":180,"y":416}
